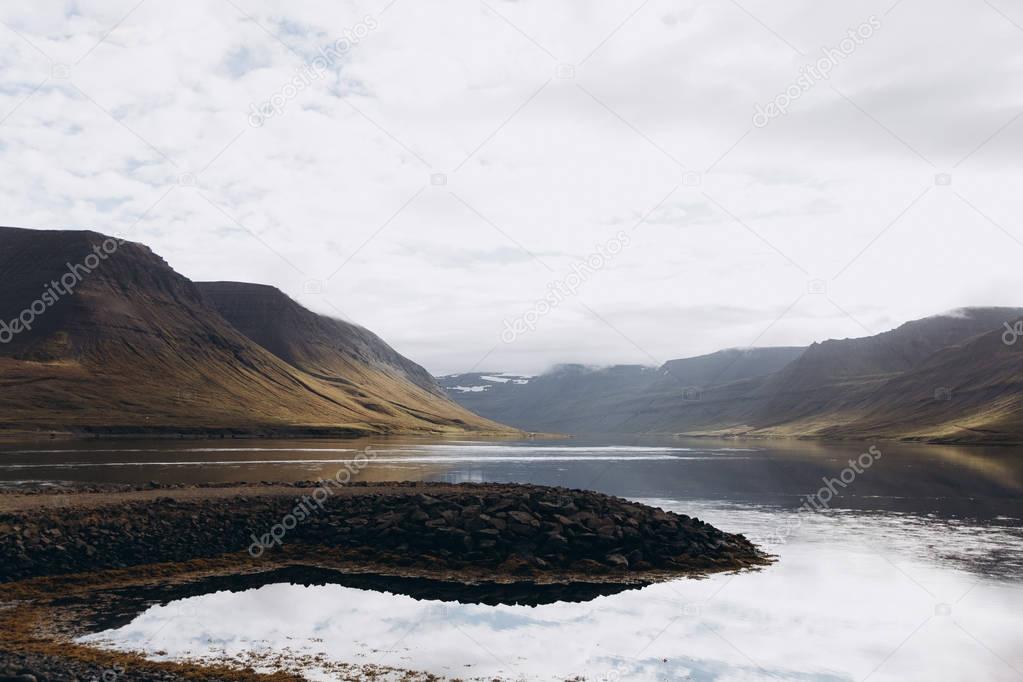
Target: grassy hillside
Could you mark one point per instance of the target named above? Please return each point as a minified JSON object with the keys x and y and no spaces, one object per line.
{"x":137,"y":348}
{"x":948,"y":377}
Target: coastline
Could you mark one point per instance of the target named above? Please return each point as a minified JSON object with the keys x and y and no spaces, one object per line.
{"x":988,"y":440}
{"x":466,"y":529}
{"x":21,"y":434}
{"x":66,"y":547}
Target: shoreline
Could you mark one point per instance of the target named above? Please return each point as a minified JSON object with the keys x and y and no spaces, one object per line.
{"x":1008,"y":441}
{"x":16,"y":434}
{"x":19,"y":434}
{"x":506,"y":529}
{"x":65,"y":547}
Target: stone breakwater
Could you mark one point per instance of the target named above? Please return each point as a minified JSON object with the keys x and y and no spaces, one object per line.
{"x":507,"y":529}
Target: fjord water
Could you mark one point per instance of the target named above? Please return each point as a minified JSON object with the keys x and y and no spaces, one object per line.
{"x":912,"y":570}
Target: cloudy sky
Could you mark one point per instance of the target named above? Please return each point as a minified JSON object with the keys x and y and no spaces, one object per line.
{"x":433,"y":170}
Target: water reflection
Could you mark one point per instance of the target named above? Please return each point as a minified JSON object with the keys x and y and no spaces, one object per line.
{"x":831,"y":611}
{"x":976,"y":482}
{"x":990,"y":548}
{"x":914,"y":572}
{"x":110,"y":609}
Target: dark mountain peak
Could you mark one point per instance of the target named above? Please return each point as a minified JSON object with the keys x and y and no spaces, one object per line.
{"x":322,"y":345}
{"x":570,"y":368}
{"x":731,"y":364}
{"x":247,"y":288}
{"x":949,"y":376}
{"x":630,"y":369}
{"x":896,"y":350}
{"x":73,"y":246}
{"x":970,"y":317}
{"x":70,"y":289}
{"x":99,"y":335}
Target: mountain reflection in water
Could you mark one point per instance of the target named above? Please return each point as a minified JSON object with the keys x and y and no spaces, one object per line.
{"x":914,"y":571}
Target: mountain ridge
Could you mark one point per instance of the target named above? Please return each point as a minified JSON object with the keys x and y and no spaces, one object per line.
{"x":879,"y":386}
{"x":324,"y":342}
{"x":136,"y":348}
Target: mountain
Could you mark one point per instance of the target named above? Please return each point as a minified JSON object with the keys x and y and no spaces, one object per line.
{"x":707,"y":392}
{"x":102,"y":337}
{"x":972,"y":391}
{"x":890,"y":352}
{"x":837,"y":381}
{"x":725,"y":366}
{"x":569,"y":398}
{"x":581,"y":399}
{"x":948,"y":377}
{"x":823,"y":391}
{"x":328,"y":348}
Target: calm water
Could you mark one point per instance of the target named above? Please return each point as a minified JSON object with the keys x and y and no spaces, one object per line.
{"x":912,"y":571}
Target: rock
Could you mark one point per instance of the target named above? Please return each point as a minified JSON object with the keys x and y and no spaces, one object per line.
{"x":501,"y":505}
{"x":524,"y":518}
{"x":617,"y":561}
{"x":589,"y":566}
{"x":459,"y":526}
{"x":450,"y":516}
{"x":489,"y":533}
{"x":555,"y":542}
{"x":588,"y":519}
{"x":514,"y":564}
{"x":522,"y":529}
{"x":471,"y":510}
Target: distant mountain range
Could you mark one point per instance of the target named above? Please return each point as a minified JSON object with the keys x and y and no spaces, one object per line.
{"x":100,"y":337}
{"x":104,"y":338}
{"x":947,"y":378}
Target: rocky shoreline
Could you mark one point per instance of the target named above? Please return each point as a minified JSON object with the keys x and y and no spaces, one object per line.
{"x":515,"y":530}
{"x":67,"y":548}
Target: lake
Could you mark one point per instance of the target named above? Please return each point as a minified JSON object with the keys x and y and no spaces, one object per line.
{"x":904,"y":562}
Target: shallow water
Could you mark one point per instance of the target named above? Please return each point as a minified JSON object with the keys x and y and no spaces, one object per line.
{"x":913,"y":570}
{"x":823,"y":613}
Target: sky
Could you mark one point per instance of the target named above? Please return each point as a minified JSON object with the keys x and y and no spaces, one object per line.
{"x":503,"y":186}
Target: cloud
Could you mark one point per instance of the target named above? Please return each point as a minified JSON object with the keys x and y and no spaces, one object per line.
{"x":455,"y":159}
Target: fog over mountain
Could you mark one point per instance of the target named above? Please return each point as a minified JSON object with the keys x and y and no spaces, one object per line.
{"x":948,"y":377}
{"x":455,"y":161}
